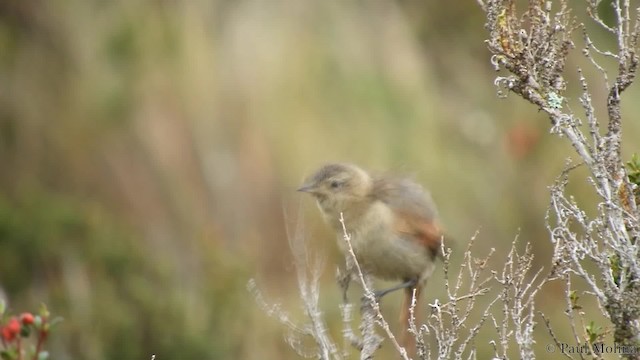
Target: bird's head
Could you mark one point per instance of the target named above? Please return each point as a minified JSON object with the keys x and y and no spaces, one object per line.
{"x":339,"y":188}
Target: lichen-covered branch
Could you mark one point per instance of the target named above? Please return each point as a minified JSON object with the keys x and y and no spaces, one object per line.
{"x":532,"y":46}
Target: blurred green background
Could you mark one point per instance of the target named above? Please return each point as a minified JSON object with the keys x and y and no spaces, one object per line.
{"x":149,"y":151}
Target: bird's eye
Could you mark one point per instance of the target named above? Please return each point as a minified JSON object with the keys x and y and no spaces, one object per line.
{"x":335,"y":184}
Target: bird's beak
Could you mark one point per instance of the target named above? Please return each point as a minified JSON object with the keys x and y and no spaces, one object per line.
{"x":308,"y":188}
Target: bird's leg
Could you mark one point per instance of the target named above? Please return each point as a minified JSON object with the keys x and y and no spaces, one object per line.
{"x":405,"y":285}
{"x":344,"y":278}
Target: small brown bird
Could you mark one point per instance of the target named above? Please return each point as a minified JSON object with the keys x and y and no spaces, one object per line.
{"x":392,"y":222}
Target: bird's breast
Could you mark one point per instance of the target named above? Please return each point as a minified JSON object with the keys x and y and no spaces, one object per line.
{"x":381,"y":250}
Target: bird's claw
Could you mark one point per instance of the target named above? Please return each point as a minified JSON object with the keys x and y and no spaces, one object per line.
{"x":366,"y":299}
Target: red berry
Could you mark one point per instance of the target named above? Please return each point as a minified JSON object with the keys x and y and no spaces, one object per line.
{"x":6,"y":334}
{"x":27,"y":318}
{"x":11,"y":330}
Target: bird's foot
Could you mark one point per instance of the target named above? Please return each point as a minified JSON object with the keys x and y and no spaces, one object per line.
{"x":367,"y":299}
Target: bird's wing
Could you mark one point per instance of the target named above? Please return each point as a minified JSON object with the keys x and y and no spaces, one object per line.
{"x":416,"y":214}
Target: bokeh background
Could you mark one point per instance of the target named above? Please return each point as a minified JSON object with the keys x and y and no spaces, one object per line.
{"x":150,"y":151}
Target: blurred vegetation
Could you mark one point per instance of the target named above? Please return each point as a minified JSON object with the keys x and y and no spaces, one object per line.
{"x":148,"y":148}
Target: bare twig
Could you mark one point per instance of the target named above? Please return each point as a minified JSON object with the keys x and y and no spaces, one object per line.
{"x":371,"y":309}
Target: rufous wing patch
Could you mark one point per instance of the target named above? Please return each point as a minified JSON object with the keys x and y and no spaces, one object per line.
{"x":426,"y":232}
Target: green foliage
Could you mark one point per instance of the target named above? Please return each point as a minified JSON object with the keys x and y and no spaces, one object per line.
{"x":574,"y":297}
{"x":616,"y":269}
{"x":46,"y":240}
{"x":633,"y":169}
{"x":633,"y":173}
{"x":594,"y":332}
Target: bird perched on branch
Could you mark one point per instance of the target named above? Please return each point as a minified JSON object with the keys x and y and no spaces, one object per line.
{"x":392,"y":222}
